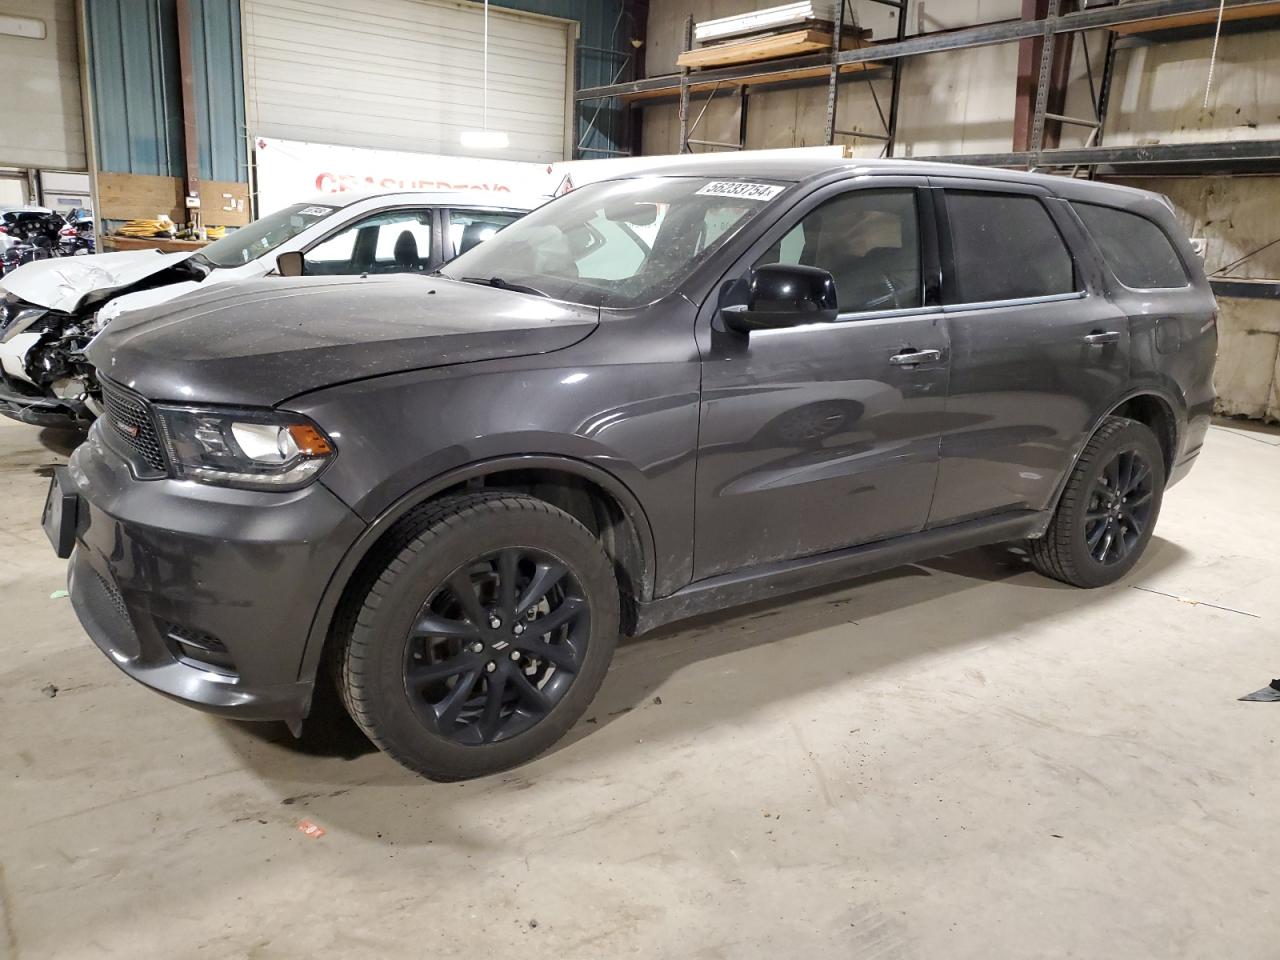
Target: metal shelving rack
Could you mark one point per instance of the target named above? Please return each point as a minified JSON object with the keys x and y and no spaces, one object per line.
{"x":1254,"y":155}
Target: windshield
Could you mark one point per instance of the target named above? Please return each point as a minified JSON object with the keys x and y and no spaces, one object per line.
{"x":619,"y":243}
{"x":264,"y":235}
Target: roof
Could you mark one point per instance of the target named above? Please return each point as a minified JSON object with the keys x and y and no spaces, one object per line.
{"x":799,"y":168}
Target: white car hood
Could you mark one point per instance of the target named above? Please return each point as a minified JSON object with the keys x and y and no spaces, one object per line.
{"x":61,"y":283}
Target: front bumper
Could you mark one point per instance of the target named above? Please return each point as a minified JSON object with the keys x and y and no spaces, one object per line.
{"x":205,"y":594}
{"x":43,"y":411}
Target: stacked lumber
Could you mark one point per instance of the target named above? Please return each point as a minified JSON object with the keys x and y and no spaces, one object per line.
{"x":794,"y":43}
{"x":790,"y":30}
{"x":1251,"y":12}
{"x":783,"y":17}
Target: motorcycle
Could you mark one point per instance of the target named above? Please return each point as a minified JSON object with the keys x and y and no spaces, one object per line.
{"x":76,"y":239}
{"x":32,"y":236}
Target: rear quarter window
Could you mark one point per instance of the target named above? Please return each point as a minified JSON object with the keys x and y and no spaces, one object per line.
{"x":1138,"y":252}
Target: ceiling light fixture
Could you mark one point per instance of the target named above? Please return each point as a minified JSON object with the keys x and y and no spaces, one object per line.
{"x":484,"y":138}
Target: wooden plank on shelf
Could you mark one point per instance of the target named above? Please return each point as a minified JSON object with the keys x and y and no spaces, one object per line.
{"x":1251,"y":12}
{"x":791,"y":44}
{"x":760,"y":80}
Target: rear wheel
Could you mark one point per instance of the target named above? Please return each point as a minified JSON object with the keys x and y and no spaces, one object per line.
{"x":1108,"y":511}
{"x":484,"y":639}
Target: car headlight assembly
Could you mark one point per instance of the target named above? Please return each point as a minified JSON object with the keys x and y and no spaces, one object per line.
{"x":251,"y":449}
{"x":16,"y":317}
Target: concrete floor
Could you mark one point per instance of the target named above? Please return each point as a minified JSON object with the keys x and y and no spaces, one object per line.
{"x":958,"y":759}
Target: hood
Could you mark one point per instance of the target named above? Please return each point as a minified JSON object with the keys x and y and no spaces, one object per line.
{"x":62,"y":283}
{"x":261,"y":342}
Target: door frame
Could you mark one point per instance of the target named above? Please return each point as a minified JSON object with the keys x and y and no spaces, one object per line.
{"x":710,"y":330}
{"x":718,"y":345}
{"x":1073,"y":237}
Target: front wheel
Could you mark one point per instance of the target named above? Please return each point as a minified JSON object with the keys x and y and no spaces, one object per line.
{"x":1108,"y":511}
{"x":484,"y":639}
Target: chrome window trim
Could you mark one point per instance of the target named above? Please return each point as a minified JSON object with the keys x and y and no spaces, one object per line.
{"x":1016,"y":302}
{"x":852,"y":318}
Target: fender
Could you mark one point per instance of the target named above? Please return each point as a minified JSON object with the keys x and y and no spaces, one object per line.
{"x":1176,"y":405}
{"x":328,"y":605}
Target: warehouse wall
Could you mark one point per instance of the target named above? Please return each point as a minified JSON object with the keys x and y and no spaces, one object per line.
{"x":215,"y":42}
{"x":136,"y":81}
{"x":962,"y":101}
{"x":1237,"y":216}
{"x":41,"y":123}
{"x":137,"y":94}
{"x":603,"y":25}
{"x":959,"y":101}
{"x":1159,"y":91}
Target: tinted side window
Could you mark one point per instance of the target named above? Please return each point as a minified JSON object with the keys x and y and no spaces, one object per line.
{"x":1006,"y":247}
{"x":395,"y":241}
{"x":869,"y":241}
{"x":470,"y":228}
{"x":1138,"y":252}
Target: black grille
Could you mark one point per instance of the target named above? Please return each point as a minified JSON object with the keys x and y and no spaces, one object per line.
{"x":113,"y":595}
{"x":129,"y":420}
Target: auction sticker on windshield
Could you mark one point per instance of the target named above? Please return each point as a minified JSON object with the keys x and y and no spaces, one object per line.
{"x":741,"y":190}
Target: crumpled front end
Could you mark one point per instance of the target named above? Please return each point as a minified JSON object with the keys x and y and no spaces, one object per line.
{"x":45,"y":379}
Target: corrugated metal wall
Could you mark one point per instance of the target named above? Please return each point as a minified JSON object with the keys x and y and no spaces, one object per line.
{"x":215,"y":42}
{"x":603,"y":42}
{"x":137,"y":95}
{"x":136,"y":83}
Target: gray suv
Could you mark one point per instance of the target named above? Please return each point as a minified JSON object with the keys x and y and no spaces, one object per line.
{"x":654,"y":397}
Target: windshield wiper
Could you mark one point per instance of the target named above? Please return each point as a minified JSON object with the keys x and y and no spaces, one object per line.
{"x":504,"y":285}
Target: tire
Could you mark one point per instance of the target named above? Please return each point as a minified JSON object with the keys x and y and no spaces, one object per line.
{"x":1099,"y":503}
{"x":414,"y":627}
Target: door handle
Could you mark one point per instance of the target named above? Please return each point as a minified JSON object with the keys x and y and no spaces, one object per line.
{"x":1101,"y":337}
{"x":909,"y":357}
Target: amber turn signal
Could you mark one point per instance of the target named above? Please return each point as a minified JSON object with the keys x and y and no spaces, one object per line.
{"x":309,"y":440}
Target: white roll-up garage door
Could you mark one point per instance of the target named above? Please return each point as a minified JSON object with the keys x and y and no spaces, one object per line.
{"x":40,"y":120}
{"x":405,"y":75}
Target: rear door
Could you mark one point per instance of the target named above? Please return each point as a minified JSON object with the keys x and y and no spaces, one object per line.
{"x":1037,"y":351}
{"x":823,"y":436}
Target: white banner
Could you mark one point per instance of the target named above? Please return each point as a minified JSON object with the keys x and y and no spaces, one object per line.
{"x":291,"y":171}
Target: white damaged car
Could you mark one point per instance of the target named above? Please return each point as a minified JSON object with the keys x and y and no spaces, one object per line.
{"x":51,"y":309}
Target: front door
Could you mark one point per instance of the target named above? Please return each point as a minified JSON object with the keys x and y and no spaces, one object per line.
{"x":818,"y":437}
{"x":398,"y":240}
{"x":1037,"y":351}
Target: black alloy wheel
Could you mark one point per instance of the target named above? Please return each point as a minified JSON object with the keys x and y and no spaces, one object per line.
{"x":496,"y":646}
{"x":1119,"y":507}
{"x":484,"y":633}
{"x":1108,"y":509}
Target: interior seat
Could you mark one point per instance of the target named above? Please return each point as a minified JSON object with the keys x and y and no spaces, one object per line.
{"x":406,"y":251}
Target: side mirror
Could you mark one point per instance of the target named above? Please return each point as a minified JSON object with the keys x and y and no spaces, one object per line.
{"x":779,"y":295}
{"x":290,"y":264}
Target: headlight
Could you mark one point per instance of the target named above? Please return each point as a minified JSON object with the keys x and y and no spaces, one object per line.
{"x":255,"y":449}
{"x":15,"y":318}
